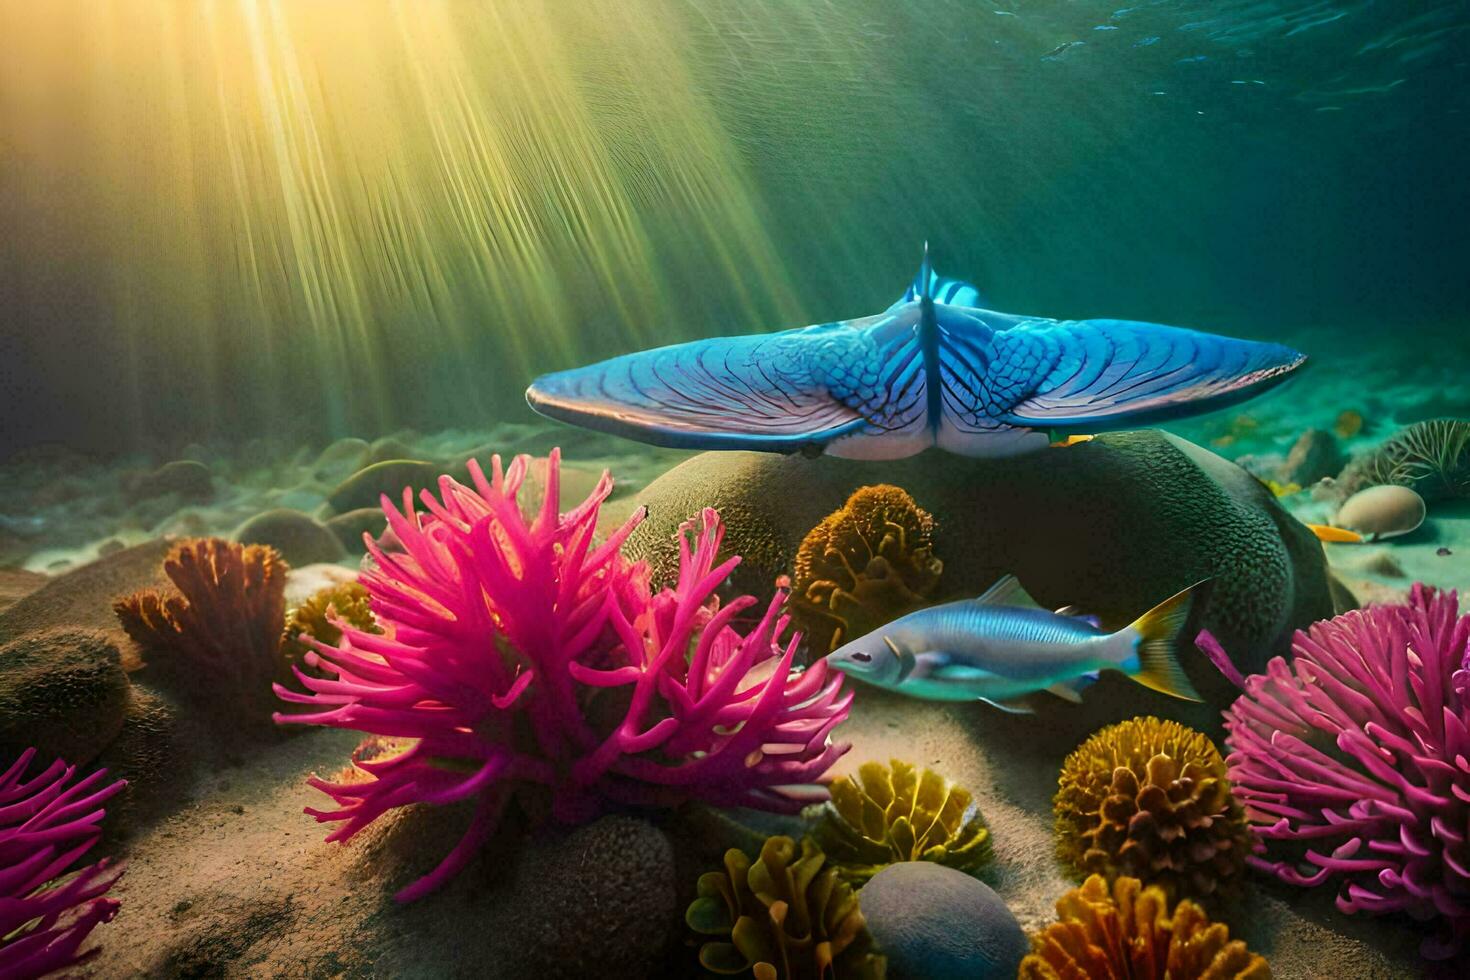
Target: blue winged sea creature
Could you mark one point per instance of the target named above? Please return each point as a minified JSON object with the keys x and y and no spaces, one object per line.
{"x":934,"y":369}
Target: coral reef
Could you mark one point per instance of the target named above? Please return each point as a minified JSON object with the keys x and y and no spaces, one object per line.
{"x":1431,"y":458}
{"x":1351,"y":761}
{"x":899,"y":812}
{"x":218,"y":636}
{"x":1131,"y":934}
{"x":46,"y":824}
{"x":1062,"y":522}
{"x":519,"y":654}
{"x":864,"y":565}
{"x":784,"y":917}
{"x":313,"y":619}
{"x":1150,"y":799}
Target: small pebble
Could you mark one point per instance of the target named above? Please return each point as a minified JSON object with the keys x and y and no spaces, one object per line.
{"x":1443,"y":552}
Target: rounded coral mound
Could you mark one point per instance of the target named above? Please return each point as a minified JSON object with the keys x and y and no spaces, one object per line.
{"x":1431,"y":458}
{"x":1352,"y":761}
{"x":1130,"y":934}
{"x":899,"y":812}
{"x":1150,"y":799}
{"x":864,"y":565}
{"x":785,"y":917}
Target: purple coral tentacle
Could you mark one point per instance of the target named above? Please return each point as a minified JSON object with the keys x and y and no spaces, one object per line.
{"x":46,"y":824}
{"x":1352,"y":760}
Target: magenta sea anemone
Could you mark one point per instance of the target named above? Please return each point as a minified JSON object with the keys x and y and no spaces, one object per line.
{"x":46,"y":823}
{"x":516,"y":652}
{"x":1354,"y":761}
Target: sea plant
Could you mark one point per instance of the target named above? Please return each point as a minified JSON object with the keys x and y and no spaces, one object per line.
{"x":864,"y":565}
{"x":785,"y":917}
{"x":313,"y":619}
{"x":217,"y":636}
{"x":1431,"y":458}
{"x":521,"y":655}
{"x":900,"y":812}
{"x":1351,"y":759}
{"x":1150,"y":799}
{"x":1128,"y":932}
{"x":47,"y":822}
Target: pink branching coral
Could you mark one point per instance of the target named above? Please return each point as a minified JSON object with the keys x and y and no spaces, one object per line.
{"x":516,"y":653}
{"x":46,"y":823}
{"x":1354,"y":760}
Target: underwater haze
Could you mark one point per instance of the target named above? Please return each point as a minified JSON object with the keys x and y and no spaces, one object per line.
{"x":224,"y":220}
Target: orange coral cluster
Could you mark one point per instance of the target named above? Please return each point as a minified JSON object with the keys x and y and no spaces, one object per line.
{"x":218,"y":636}
{"x":1131,"y":935}
{"x":863,"y":566}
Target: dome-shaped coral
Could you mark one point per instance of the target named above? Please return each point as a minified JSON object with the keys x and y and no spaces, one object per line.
{"x":218,"y":637}
{"x":314,"y":619}
{"x":1131,"y":935}
{"x":1150,"y":799}
{"x":1432,"y":458}
{"x":864,"y":565}
{"x":896,"y":813}
{"x":1351,"y":760}
{"x":785,"y":917}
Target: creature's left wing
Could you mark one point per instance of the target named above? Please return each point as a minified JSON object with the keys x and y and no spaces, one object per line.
{"x":1115,"y":373}
{"x":777,"y":392}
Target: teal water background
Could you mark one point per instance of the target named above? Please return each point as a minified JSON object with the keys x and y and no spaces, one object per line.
{"x":276,"y":218}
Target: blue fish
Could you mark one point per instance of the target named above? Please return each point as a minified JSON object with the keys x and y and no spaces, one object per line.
{"x":1003,"y":647}
{"x":934,"y":369}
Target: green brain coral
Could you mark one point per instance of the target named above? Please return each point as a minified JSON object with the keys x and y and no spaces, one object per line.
{"x":1150,"y":799}
{"x":349,"y":599}
{"x":864,"y":565}
{"x":785,"y":917}
{"x":899,"y":812}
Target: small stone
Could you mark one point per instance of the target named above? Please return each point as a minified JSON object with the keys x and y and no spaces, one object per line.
{"x":299,"y":539}
{"x":341,"y":458}
{"x":110,"y":547}
{"x":1314,"y":455}
{"x":351,"y":526}
{"x":936,"y":923}
{"x":1443,"y":552}
{"x":388,"y":448}
{"x":1382,"y":512}
{"x":188,"y":478}
{"x":363,"y":488}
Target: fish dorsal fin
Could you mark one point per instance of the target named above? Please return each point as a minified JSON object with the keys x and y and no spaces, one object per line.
{"x":1075,"y":612}
{"x":930,"y":285}
{"x":1008,"y":591}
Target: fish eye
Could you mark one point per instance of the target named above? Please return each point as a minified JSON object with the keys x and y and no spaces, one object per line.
{"x":863,"y":658}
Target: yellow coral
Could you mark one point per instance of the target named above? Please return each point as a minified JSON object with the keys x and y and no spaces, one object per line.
{"x":863,"y":566}
{"x":1150,"y":799}
{"x":900,"y":813}
{"x":1130,"y":935}
{"x":784,"y":917}
{"x":349,"y":599}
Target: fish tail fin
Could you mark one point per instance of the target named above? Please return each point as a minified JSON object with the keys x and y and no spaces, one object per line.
{"x":1155,"y":661}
